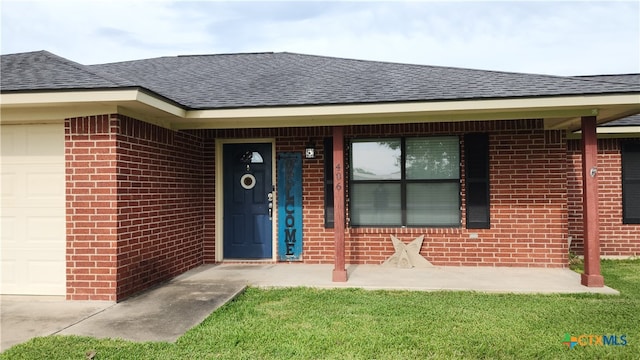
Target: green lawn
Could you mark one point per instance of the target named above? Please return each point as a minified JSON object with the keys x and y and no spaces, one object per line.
{"x":358,"y":324}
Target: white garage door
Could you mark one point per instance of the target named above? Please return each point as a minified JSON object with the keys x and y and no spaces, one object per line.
{"x":33,"y":209}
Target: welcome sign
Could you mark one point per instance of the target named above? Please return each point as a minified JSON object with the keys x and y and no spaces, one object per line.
{"x":290,"y":206}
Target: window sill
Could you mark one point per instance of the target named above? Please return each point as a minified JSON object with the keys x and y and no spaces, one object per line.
{"x":406,"y":230}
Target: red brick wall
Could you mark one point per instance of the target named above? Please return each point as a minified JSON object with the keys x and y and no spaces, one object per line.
{"x":616,"y":238}
{"x":160,"y":200}
{"x":528,"y":202}
{"x":528,"y":198}
{"x":134,"y":205}
{"x":141,"y":201}
{"x":92,"y":207}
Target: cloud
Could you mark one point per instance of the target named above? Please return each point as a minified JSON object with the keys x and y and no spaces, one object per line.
{"x":562,"y":38}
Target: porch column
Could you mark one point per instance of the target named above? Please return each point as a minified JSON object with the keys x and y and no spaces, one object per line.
{"x":591,"y":225}
{"x":339,"y":270}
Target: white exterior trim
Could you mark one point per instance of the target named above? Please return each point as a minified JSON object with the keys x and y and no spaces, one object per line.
{"x":559,"y":112}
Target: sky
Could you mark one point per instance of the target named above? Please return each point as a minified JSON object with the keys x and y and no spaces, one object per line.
{"x":543,"y":37}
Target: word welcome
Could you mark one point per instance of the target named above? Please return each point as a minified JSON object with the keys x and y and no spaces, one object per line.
{"x":290,"y":235}
{"x":289,"y":207}
{"x":594,"y":340}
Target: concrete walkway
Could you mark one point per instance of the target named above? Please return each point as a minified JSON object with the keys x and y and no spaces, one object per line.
{"x":166,"y":312}
{"x":26,"y":317}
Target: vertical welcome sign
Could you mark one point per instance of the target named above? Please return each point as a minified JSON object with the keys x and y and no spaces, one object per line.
{"x":290,"y":206}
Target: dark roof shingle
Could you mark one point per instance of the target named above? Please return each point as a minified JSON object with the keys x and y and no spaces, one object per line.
{"x":288,"y":79}
{"x":42,"y":70}
{"x":285,"y":79}
{"x":633,"y":120}
{"x":633,"y":79}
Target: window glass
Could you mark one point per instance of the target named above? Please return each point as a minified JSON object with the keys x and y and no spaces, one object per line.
{"x":256,"y":158}
{"x":376,"y":160}
{"x":432,"y":158}
{"x":405,"y":182}
{"x":433,"y":204}
{"x":631,"y":183}
{"x":377,"y":204}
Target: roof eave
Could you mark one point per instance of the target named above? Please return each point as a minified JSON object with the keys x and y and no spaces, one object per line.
{"x":559,"y":112}
{"x":23,"y":106}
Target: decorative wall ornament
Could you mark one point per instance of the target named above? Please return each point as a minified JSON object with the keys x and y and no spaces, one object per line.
{"x":290,"y":223}
{"x":407,"y":255}
{"x":248,"y":181}
{"x":251,"y":157}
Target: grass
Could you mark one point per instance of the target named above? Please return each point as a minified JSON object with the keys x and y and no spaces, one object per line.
{"x":357,"y":324}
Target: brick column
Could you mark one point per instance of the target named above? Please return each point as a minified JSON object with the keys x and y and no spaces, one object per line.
{"x":591,"y":276}
{"x":339,"y":271}
{"x":91,"y":206}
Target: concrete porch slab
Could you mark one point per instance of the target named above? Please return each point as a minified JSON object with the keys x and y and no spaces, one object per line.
{"x":484,"y":279}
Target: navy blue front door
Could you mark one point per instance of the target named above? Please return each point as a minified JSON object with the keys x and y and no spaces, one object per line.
{"x":247,"y":188}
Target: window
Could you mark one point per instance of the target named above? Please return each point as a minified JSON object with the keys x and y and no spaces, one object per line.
{"x":405,"y":182}
{"x":631,"y":183}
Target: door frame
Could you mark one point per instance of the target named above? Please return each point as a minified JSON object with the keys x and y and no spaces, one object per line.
{"x":219,"y":194}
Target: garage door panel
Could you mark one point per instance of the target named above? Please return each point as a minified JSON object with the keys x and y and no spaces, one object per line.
{"x":23,"y":213}
{"x":46,"y":272}
{"x":33,"y":209}
{"x":39,"y":141}
{"x":36,"y":142}
{"x":33,"y":277}
{"x":38,"y":184}
{"x":41,"y":190}
{"x":36,"y":245}
{"x":8,"y":227}
{"x":44,"y":229}
{"x":8,"y":186}
{"x":32,"y":140}
{"x":8,"y":273}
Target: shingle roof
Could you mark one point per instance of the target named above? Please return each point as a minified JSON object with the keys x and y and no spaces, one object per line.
{"x":42,"y":70}
{"x":633,"y":120}
{"x":634,"y":79}
{"x":287,"y":79}
{"x":282,"y":79}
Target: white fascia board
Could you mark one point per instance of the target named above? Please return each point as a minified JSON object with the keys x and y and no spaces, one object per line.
{"x":53,"y":106}
{"x":75,"y":98}
{"x":52,"y":113}
{"x":578,"y":102}
{"x":618,"y":130}
{"x":66,"y":97}
{"x":460,"y":110}
{"x":161,"y":105}
{"x":610,"y":132}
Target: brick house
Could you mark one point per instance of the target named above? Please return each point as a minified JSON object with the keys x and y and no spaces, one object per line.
{"x":118,"y":176}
